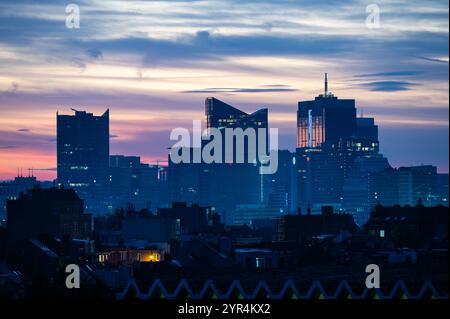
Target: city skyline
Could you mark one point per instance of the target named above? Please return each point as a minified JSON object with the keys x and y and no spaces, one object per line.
{"x":154,"y":73}
{"x":49,"y":173}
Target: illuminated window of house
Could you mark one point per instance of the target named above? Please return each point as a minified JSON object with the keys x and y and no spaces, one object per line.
{"x":102,"y":258}
{"x":150,"y":257}
{"x":382,"y":233}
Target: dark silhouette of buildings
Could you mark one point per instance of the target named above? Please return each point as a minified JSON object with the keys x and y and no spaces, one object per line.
{"x":55,"y":212}
{"x":336,"y":177}
{"x":135,"y":230}
{"x":12,"y":189}
{"x":192,"y":219}
{"x":409,"y":226}
{"x":302,"y":228}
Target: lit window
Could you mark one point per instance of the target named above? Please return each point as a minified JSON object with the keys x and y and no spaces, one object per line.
{"x":382,"y":233}
{"x":150,"y":257}
{"x":259,"y":262}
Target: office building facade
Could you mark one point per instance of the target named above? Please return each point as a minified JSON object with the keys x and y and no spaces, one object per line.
{"x":83,"y":151}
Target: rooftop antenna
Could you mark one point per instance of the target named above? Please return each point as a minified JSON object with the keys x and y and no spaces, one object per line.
{"x":326,"y":84}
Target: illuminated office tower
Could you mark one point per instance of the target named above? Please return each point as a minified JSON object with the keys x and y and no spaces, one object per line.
{"x":326,"y":119}
{"x":336,"y":150}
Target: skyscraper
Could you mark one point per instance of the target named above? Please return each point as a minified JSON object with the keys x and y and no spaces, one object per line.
{"x":222,"y":185}
{"x":336,"y":151}
{"x":83,"y":151}
{"x":281,"y":186}
{"x":221,"y":115}
{"x":134,"y":183}
{"x":229,"y":184}
{"x":326,"y":119}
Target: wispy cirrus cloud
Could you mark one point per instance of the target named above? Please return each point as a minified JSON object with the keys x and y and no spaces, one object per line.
{"x":263,"y":89}
{"x":438,"y":60}
{"x":388,"y":74}
{"x":389,"y":86}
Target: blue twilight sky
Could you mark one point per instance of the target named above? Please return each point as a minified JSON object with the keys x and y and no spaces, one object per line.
{"x":154,"y":62}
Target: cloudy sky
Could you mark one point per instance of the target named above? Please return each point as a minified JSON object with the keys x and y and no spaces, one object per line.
{"x":152,"y":63}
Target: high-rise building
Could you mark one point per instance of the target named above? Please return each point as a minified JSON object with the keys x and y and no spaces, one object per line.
{"x":184,"y":181}
{"x":366,"y":135}
{"x":83,"y":157}
{"x":404,"y":186}
{"x":356,"y":192}
{"x":336,"y":150}
{"x":222,"y":115}
{"x":442,"y":189}
{"x":83,"y":151}
{"x":326,"y":119}
{"x":222,"y":185}
{"x":281,"y":185}
{"x":324,"y":126}
{"x":384,"y":188}
{"x":134,"y":183}
{"x":417,"y":183}
{"x":226,"y":185}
